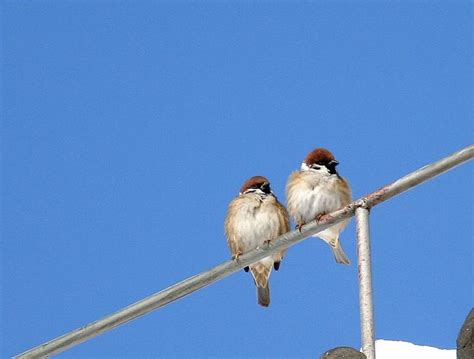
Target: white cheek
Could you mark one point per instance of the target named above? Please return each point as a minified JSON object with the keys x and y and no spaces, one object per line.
{"x":322,"y":171}
{"x":304,"y":167}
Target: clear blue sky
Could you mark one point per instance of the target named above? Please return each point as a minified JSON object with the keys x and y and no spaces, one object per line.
{"x":129,"y":126}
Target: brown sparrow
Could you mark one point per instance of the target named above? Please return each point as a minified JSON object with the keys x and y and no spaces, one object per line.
{"x":317,"y":189}
{"x":255,"y":218}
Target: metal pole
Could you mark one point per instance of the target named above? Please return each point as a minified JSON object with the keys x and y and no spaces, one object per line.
{"x":365,"y":283}
{"x":187,"y":286}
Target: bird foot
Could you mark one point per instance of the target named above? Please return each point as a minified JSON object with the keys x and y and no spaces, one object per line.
{"x":319,"y":216}
{"x":298,"y":226}
{"x":236,"y":256}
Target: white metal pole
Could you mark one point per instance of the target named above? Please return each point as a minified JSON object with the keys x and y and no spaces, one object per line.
{"x":367,"y":325}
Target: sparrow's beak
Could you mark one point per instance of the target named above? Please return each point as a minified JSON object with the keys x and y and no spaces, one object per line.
{"x":266,"y":187}
{"x":334,"y":163}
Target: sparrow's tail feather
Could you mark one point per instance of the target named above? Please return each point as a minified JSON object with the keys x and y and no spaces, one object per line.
{"x":263,"y":295}
{"x":337,"y":250}
{"x":339,"y":254}
{"x":261,"y":274}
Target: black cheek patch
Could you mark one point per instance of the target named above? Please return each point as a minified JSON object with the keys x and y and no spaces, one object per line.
{"x":332,"y":169}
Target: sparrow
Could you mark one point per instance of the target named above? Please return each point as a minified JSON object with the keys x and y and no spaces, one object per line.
{"x":317,"y":189}
{"x":254,"y":219}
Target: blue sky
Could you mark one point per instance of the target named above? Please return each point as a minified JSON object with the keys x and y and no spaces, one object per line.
{"x":127,"y":127}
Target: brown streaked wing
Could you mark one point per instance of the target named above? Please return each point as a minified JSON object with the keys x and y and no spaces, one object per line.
{"x":229,"y":228}
{"x":345,"y":190}
{"x":284,"y":226}
{"x":283,"y":218}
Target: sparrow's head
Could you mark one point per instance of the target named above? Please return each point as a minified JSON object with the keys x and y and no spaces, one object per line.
{"x":256,"y":184}
{"x":320,"y":160}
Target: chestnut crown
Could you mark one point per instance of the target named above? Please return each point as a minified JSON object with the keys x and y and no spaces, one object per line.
{"x":256,"y":183}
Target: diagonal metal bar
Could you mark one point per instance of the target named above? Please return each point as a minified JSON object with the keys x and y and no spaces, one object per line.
{"x":212,"y":275}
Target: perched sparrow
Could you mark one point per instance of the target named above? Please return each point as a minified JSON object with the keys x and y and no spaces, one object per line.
{"x":317,"y":189}
{"x":255,"y":218}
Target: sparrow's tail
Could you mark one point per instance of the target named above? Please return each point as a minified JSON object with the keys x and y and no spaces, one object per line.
{"x":263,"y":295}
{"x":261,"y":273}
{"x":338,"y":252}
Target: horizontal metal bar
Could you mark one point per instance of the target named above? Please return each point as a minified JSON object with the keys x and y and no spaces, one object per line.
{"x":212,"y":275}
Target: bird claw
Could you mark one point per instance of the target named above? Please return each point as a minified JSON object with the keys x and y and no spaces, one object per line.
{"x":299,"y":226}
{"x":319,"y":216}
{"x":236,"y":256}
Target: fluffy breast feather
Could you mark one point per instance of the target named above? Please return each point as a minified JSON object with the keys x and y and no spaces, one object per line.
{"x":309,"y":194}
{"x":252,"y":220}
